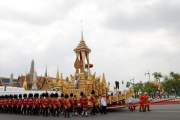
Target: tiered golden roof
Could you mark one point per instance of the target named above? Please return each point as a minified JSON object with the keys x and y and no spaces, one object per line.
{"x":82,"y":45}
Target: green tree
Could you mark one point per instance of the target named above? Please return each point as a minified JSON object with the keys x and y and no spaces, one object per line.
{"x":157,"y":75}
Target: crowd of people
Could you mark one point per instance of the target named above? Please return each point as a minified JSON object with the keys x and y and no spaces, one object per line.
{"x":48,"y":104}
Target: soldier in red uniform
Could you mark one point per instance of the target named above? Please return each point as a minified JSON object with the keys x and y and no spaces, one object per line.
{"x":85,"y":105}
{"x":9,"y":103}
{"x":80,"y":101}
{"x":141,"y":102}
{"x":56,"y":105}
{"x":41,"y":103}
{"x":14,"y":104}
{"x":19,"y":104}
{"x":1,"y":102}
{"x":74,"y":104}
{"x":51,"y":103}
{"x":62,"y":101}
{"x":70,"y":102}
{"x":24,"y":104}
{"x":45,"y":105}
{"x":29,"y":104}
{"x":146,"y":101}
{"x":93,"y":101}
{"x":5,"y":105}
{"x":36,"y":102}
{"x":66,"y":106}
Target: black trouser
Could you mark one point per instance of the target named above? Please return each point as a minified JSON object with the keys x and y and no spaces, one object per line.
{"x":29,"y":110}
{"x":66,"y":112}
{"x":0,"y":109}
{"x":61,"y":109}
{"x":24,"y":110}
{"x":104,"y":109}
{"x":19,"y":109}
{"x":4,"y":110}
{"x":36,"y":111}
{"x":71,"y":108}
{"x":80,"y":109}
{"x":41,"y":110}
{"x":45,"y":110}
{"x":14,"y":109}
{"x":9,"y":109}
{"x":52,"y":110}
{"x":56,"y":111}
{"x":93,"y":110}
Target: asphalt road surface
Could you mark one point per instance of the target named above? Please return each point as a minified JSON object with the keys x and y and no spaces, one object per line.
{"x":158,"y":112}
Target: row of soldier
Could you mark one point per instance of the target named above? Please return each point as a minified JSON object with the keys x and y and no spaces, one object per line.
{"x":46,"y":104}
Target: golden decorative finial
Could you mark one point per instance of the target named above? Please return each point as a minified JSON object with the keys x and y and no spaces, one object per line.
{"x":25,"y":83}
{"x":57,"y":75}
{"x":82,"y":39}
{"x":89,"y":76}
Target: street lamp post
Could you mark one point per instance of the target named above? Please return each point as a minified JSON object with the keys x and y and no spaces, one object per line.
{"x":148,"y":74}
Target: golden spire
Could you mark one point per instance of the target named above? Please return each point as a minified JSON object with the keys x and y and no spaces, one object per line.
{"x":89,"y":76}
{"x":104,"y":79}
{"x":82,"y":39}
{"x":61,"y":82}
{"x":25,"y":83}
{"x":57,"y":75}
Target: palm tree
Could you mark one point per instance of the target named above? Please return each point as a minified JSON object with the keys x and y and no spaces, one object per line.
{"x":157,"y":75}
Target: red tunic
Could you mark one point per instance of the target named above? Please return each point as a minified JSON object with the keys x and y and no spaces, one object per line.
{"x":70,"y":101}
{"x":145,"y":99}
{"x":19,"y":102}
{"x":92,"y":99}
{"x":62,"y":101}
{"x":5,"y":102}
{"x":56,"y":102}
{"x":66,"y":103}
{"x":85,"y":102}
{"x":24,"y":101}
{"x":46,"y":103}
{"x":9,"y":102}
{"x":1,"y":102}
{"x":80,"y":100}
{"x":36,"y":102}
{"x":52,"y":101}
{"x":14,"y":102}
{"x":30,"y":102}
{"x":41,"y":101}
{"x":74,"y":102}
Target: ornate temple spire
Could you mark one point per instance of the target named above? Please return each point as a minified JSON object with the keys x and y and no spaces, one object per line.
{"x":46,"y":70}
{"x":25,"y":83}
{"x":82,"y":39}
{"x":104,"y":79}
{"x":57,"y":75}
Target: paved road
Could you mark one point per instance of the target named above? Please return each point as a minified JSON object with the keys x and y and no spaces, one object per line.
{"x":159,"y":112}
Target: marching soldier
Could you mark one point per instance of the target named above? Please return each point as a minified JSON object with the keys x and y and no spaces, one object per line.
{"x":51,"y":103}
{"x":85,"y":105}
{"x":9,"y":103}
{"x":70,"y":102}
{"x":62,"y":101}
{"x":5,"y":104}
{"x":141,"y":101}
{"x":29,"y":104}
{"x":36,"y":102}
{"x":41,"y":102}
{"x":80,"y":101}
{"x":1,"y":102}
{"x":56,"y":105}
{"x":14,"y":104}
{"x":74,"y":104}
{"x":93,"y":101}
{"x":19,"y":104}
{"x":146,"y":101}
{"x":24,"y":104}
{"x":66,"y":106}
{"x":45,"y":105}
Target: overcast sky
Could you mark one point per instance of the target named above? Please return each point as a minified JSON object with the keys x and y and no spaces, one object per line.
{"x":127,"y":37}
